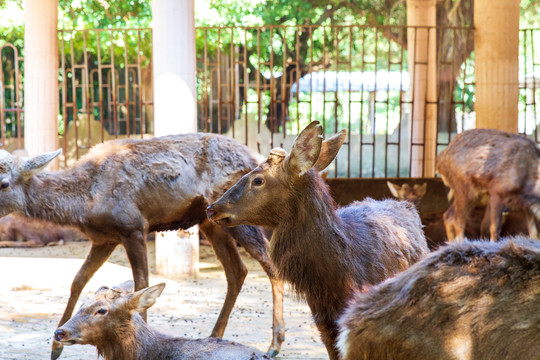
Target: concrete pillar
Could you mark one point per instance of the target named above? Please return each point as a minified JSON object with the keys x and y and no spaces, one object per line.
{"x":496,"y":47}
{"x":174,"y":67}
{"x":177,"y":253}
{"x":41,"y":99}
{"x":422,"y":50}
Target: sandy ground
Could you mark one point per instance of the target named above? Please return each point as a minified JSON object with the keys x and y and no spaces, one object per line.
{"x":35,"y":283}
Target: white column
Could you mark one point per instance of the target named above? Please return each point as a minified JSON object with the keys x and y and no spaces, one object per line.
{"x":421,"y":43}
{"x":174,"y":67}
{"x":41,"y":99}
{"x":175,"y":112}
{"x":496,"y":47}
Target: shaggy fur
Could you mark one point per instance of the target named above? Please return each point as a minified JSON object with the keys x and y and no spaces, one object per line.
{"x":472,"y":300}
{"x":123,"y":189}
{"x":325,"y":253}
{"x":494,"y":168}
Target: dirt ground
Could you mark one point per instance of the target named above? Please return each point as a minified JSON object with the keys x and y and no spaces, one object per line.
{"x":35,"y":283}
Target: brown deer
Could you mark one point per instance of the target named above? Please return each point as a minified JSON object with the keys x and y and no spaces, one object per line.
{"x":470,"y":300}
{"x":514,"y":222}
{"x":20,"y":231}
{"x":123,"y":189}
{"x":491,"y":167}
{"x":111,"y":322}
{"x":325,"y":253}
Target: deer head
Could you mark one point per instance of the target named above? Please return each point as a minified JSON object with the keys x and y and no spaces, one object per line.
{"x":262,"y":195}
{"x":14,"y":172}
{"x":108,"y":311}
{"x":407,"y":192}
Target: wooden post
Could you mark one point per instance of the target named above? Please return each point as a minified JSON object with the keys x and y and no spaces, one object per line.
{"x":496,"y":47}
{"x":177,"y":253}
{"x":41,"y":99}
{"x":422,"y":50}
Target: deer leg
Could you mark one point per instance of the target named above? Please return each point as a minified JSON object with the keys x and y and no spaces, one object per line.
{"x":235,"y":271}
{"x":252,"y":239}
{"x":135,"y":246}
{"x":329,"y":335}
{"x":94,"y":260}
{"x":484,"y":227}
{"x":531,"y":225}
{"x":496,"y":209}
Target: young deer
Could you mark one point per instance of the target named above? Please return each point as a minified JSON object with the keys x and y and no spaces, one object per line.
{"x":470,"y":300}
{"x":111,"y":322}
{"x":325,"y":253}
{"x":514,"y":222}
{"x":123,"y":189}
{"x":492,"y":167}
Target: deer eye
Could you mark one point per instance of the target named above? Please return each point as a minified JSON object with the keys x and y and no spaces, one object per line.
{"x":258,"y":181}
{"x":5,"y":183}
{"x":101,"y":311}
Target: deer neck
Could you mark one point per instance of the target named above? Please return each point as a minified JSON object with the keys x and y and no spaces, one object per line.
{"x":60,"y":197}
{"x":309,"y":247}
{"x":133,"y":341}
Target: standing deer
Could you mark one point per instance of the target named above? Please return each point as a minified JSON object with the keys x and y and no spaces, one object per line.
{"x":111,"y":322}
{"x":492,"y":167}
{"x":513,"y":223}
{"x":470,"y":300}
{"x":123,"y":189}
{"x":325,"y":253}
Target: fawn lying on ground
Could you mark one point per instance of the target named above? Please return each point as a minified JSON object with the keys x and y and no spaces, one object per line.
{"x":111,"y":322}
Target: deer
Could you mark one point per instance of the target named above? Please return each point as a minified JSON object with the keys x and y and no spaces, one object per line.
{"x":19,"y":231}
{"x":494,"y":168}
{"x":513,"y":222}
{"x":467,"y":300}
{"x":110,"y":321}
{"x":123,"y":189}
{"x":325,"y":253}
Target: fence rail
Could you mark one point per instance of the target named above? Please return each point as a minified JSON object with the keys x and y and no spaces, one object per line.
{"x":261,"y":85}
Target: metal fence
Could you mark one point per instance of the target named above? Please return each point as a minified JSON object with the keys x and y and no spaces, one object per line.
{"x":262,"y":85}
{"x":11,"y":97}
{"x":106,"y":88}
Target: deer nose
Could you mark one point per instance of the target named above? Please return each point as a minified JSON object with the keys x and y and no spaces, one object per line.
{"x":210,"y":212}
{"x":59,"y":334}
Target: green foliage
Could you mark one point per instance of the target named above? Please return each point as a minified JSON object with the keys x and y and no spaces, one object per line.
{"x":101,"y":14}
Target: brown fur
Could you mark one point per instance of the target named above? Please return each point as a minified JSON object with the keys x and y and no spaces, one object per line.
{"x":493,"y":168}
{"x":110,"y":321}
{"x":324,"y":252}
{"x":514,"y":221}
{"x":471,"y":300}
{"x":20,"y":231}
{"x":123,"y":189}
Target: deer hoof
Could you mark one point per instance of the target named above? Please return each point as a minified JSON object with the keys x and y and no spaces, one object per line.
{"x":56,"y":350}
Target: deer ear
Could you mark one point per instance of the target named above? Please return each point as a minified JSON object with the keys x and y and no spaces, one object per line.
{"x":143,"y":299}
{"x":305,"y":150}
{"x":126,"y":287}
{"x":421,"y":189}
{"x":394,"y":189}
{"x":329,"y":150}
{"x":33,"y":165}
